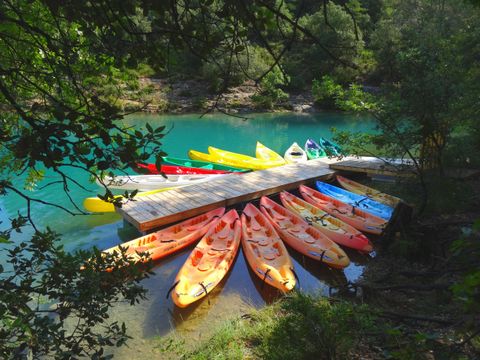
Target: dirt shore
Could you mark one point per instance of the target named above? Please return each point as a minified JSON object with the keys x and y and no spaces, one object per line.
{"x":179,"y":97}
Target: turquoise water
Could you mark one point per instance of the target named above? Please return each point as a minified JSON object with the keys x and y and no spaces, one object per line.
{"x":242,"y":289}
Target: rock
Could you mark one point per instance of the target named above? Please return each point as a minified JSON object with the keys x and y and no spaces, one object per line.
{"x":303,"y":108}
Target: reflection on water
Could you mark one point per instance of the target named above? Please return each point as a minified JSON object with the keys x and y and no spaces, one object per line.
{"x":241,"y":290}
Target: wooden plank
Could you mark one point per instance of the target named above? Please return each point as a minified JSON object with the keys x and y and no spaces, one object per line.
{"x":188,"y":196}
{"x":165,"y":206}
{"x":142,"y":207}
{"x":371,"y":165}
{"x":174,"y":217}
{"x":183,"y":197}
{"x":178,"y":204}
{"x":170,"y":199}
{"x":201,"y":197}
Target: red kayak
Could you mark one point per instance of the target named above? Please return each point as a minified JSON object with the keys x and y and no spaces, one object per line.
{"x":179,"y":170}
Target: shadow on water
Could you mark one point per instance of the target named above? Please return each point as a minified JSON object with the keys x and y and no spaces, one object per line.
{"x":128,"y":232}
{"x":268,"y":293}
{"x":314,"y":276}
{"x":230,"y":296}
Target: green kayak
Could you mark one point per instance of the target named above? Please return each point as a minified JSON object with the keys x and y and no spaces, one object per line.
{"x":199,"y":164}
{"x":331,"y":148}
{"x":313,"y":150}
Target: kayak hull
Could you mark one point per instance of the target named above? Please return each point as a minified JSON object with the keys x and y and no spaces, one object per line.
{"x":264,"y":153}
{"x":363,"y":190}
{"x":171,"y":239}
{"x":95,"y":204}
{"x":313,"y":150}
{"x":302,"y":237}
{"x":264,"y":250}
{"x":338,"y":231}
{"x":153,"y":182}
{"x":364,"y":203}
{"x":241,"y":160}
{"x":180,"y":170}
{"x":295,"y":154}
{"x":330,"y":148}
{"x":209,"y":262}
{"x":355,"y":217}
{"x":199,"y":164}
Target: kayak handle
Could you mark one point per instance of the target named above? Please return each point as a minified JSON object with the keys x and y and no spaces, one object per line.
{"x":265,"y":278}
{"x":295,"y":274}
{"x":171,"y":289}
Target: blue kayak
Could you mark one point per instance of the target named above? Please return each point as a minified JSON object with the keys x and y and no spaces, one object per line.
{"x":362,"y":202}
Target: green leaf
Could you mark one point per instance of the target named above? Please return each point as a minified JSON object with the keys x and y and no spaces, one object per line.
{"x":476,"y":225}
{"x":4,"y":240}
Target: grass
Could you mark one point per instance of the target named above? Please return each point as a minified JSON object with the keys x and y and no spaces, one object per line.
{"x":298,"y":327}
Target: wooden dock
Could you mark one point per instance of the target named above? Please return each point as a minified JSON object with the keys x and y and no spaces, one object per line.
{"x":152,"y":211}
{"x":149,"y":212}
{"x":372,"y":165}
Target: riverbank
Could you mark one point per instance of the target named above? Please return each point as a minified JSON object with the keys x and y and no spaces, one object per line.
{"x":162,"y":96}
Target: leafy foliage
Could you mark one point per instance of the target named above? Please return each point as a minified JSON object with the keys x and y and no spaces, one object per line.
{"x":466,"y":251}
{"x":270,"y":93}
{"x":326,"y":91}
{"x":52,"y":308}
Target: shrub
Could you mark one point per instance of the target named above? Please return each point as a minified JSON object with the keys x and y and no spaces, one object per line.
{"x":325,"y":92}
{"x":270,"y":94}
{"x":250,"y":63}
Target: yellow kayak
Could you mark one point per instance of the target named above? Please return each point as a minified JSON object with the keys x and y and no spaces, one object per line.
{"x":95,"y":204}
{"x":197,"y":155}
{"x":361,"y":189}
{"x":240,"y":160}
{"x":264,"y":153}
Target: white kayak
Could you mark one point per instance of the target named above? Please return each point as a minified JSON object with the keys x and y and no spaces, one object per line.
{"x":153,"y":182}
{"x":295,"y":154}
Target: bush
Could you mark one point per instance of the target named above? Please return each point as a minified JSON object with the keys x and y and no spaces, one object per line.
{"x":325,"y":92}
{"x":250,"y":63}
{"x":270,"y":94}
{"x":200,"y":103}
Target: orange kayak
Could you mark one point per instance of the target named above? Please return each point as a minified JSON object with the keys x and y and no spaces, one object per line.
{"x":335,"y":229}
{"x":359,"y":219}
{"x":209,"y":262}
{"x":265,"y":252}
{"x":171,"y":239}
{"x":302,"y":237}
{"x":373,"y":194}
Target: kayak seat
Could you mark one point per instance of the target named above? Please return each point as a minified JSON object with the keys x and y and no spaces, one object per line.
{"x":303,"y":236}
{"x":295,"y":229}
{"x":309,"y":240}
{"x":223,"y":235}
{"x":256,"y":227}
{"x":204,"y":266}
{"x":270,"y":255}
{"x":263,"y":241}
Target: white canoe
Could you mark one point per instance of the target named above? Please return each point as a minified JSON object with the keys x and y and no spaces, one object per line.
{"x":153,"y":182}
{"x":295,"y":154}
